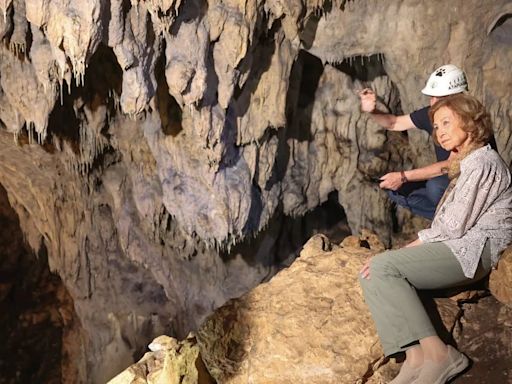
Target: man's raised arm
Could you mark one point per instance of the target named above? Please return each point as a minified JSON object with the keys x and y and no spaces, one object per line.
{"x":385,"y":120}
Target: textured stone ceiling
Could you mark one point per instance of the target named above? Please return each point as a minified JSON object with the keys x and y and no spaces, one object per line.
{"x":142,"y":139}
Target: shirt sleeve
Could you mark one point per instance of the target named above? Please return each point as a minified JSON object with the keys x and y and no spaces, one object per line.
{"x":474,"y":192}
{"x":421,"y":120}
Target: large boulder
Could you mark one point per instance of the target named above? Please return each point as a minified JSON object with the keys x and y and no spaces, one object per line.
{"x":500,"y":280}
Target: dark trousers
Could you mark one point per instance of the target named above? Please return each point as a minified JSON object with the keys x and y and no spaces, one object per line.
{"x":421,"y":197}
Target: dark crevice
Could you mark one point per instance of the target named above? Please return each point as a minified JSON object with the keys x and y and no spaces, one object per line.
{"x":501,"y":30}
{"x":188,"y":12}
{"x":31,"y":306}
{"x":362,"y":67}
{"x":168,"y":108}
{"x":102,"y":86}
{"x":102,"y":79}
{"x":308,"y":33}
{"x":284,"y":236}
{"x":304,"y":79}
{"x":312,"y":70}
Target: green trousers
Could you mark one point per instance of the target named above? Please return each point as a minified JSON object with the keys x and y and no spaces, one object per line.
{"x":390,"y":291}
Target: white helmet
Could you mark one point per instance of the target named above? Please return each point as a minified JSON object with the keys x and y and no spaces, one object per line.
{"x":446,"y":80}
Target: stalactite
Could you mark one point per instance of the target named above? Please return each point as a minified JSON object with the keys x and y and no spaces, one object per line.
{"x":4,"y":6}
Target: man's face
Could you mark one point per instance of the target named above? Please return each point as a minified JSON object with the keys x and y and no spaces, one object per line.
{"x":433,"y":100}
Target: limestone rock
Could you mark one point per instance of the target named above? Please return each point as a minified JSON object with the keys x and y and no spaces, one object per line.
{"x":171,"y":362}
{"x":308,"y":324}
{"x":500,"y":280}
{"x":366,"y":239}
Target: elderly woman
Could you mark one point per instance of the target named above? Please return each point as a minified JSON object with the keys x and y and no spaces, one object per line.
{"x":471,"y":227}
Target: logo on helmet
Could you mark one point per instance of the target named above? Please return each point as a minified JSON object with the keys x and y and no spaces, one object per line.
{"x":456,"y":83}
{"x":440,"y":72}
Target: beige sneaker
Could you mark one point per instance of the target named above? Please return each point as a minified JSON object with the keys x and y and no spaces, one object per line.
{"x":406,"y":375}
{"x":440,"y":373}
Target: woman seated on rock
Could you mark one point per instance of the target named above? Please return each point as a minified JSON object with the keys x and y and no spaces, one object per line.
{"x":471,"y":227}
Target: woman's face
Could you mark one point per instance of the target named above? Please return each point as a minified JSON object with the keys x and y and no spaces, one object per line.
{"x":450,"y":134}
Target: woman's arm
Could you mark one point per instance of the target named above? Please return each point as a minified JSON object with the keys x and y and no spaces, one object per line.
{"x":477,"y":187}
{"x":414,"y":243}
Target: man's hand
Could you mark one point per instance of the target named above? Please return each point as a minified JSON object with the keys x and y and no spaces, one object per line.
{"x":392,"y":180}
{"x":368,"y":100}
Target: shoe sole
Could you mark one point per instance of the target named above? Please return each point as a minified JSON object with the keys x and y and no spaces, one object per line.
{"x":460,"y":366}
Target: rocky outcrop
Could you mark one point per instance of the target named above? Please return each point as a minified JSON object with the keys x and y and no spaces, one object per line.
{"x":500,"y":280}
{"x":309,"y":324}
{"x":485,"y":335}
{"x":142,"y":140}
{"x":169,"y":362}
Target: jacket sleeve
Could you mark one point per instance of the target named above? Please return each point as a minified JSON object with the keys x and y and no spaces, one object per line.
{"x":479,"y":184}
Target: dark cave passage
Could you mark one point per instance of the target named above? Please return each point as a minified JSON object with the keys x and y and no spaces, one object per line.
{"x":283,"y":238}
{"x":363,"y":68}
{"x":328,"y":218}
{"x":34,"y":308}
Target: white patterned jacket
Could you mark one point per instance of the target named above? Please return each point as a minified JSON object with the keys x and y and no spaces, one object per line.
{"x":477,"y":209}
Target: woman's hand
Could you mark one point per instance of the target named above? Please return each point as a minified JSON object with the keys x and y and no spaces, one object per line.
{"x":365,"y":271}
{"x":414,"y":243}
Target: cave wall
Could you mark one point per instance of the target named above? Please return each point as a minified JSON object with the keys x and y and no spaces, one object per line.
{"x":142,"y":140}
{"x":39,"y":330}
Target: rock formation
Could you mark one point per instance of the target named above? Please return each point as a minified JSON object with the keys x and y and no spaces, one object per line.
{"x":309,"y":324}
{"x":38,"y":327}
{"x":500,"y":281}
{"x":169,"y":362}
{"x":142,"y":140}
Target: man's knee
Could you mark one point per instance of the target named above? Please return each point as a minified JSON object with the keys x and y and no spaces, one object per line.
{"x":435,"y":188}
